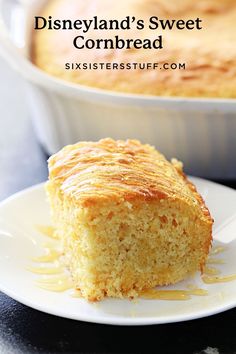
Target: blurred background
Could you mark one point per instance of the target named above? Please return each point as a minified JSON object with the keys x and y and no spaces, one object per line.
{"x":22,"y":161}
{"x":22,"y":158}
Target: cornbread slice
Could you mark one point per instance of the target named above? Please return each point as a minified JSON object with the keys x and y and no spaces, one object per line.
{"x":128,"y":219}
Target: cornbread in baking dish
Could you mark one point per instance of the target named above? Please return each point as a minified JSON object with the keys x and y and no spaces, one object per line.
{"x":209,"y":53}
{"x":128,"y":219}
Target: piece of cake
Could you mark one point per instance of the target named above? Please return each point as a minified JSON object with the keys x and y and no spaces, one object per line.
{"x":209,"y":54}
{"x":128,"y":219}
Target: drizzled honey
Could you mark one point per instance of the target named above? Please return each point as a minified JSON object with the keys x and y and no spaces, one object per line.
{"x":211,"y":271}
{"x":217,"y":250}
{"x":47,"y":230}
{"x":50,"y":256}
{"x":211,"y":280}
{"x":215,"y":261}
{"x":45,"y":270}
{"x":58,"y":284}
{"x":153,"y":294}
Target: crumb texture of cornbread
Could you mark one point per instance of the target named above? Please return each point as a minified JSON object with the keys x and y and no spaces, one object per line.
{"x":128,"y":219}
{"x":209,"y":53}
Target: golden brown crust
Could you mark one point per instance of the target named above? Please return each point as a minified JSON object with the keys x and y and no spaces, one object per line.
{"x":205,"y":212}
{"x":210,"y":53}
{"x":93,"y":172}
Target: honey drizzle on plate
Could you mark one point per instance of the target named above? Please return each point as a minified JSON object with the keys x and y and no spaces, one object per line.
{"x":76,"y":293}
{"x":211,"y":271}
{"x":58,"y":284}
{"x":210,"y":275}
{"x":215,"y":261}
{"x":212,"y":280}
{"x":153,"y":294}
{"x":214,"y":251}
{"x":45,"y":270}
{"x":198,"y":292}
{"x":47,"y":231}
{"x":217,"y":250}
{"x":52,"y":255}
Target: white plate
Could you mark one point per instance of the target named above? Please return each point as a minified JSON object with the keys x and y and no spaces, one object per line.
{"x":20,"y":240}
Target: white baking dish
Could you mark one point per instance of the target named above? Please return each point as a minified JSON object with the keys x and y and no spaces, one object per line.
{"x":200,"y":132}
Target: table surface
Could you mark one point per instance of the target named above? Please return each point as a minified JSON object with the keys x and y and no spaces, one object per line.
{"x":24,"y":330}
